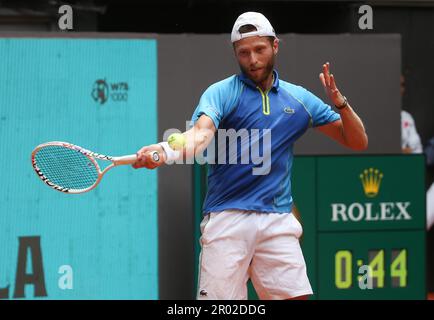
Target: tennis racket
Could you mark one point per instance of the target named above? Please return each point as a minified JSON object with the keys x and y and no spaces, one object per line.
{"x":68,"y":168}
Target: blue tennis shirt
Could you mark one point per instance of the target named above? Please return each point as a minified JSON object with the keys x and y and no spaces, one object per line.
{"x":270,"y":122}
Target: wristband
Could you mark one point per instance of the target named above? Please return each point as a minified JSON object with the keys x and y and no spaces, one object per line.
{"x":171,"y":154}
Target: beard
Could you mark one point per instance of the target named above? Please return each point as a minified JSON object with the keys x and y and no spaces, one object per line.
{"x":262,"y":74}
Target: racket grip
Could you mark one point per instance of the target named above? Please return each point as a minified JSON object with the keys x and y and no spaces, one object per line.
{"x":155,"y":155}
{"x":130,"y":159}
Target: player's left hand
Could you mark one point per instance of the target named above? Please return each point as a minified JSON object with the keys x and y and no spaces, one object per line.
{"x":329,"y":84}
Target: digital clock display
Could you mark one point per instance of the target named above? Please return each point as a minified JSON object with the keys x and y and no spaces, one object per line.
{"x":375,"y":269}
{"x":371,"y":265}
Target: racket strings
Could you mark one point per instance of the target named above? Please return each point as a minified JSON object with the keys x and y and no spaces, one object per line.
{"x":66,"y":168}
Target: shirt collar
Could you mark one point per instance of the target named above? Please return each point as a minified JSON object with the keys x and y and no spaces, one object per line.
{"x":250,"y":83}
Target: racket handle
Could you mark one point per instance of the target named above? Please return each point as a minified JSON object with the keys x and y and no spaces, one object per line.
{"x":130,"y":159}
{"x":155,"y":155}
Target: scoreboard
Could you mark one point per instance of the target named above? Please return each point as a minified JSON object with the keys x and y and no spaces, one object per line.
{"x":364,"y":223}
{"x":371,"y":265}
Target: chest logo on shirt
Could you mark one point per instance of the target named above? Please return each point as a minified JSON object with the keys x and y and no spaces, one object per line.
{"x":289,"y":110}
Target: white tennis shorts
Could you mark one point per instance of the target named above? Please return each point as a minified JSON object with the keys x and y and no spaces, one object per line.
{"x":238,"y":245}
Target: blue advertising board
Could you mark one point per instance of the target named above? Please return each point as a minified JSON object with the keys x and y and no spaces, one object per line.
{"x":100,"y":94}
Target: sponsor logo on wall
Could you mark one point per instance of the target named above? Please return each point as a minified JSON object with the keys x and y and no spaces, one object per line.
{"x":29,"y":252}
{"x":103,"y":91}
{"x":371,"y":179}
{"x":30,"y":255}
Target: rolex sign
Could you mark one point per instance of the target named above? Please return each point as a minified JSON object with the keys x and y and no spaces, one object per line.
{"x":369,"y":193}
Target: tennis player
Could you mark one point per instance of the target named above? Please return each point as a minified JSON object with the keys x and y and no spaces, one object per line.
{"x":248,"y":230}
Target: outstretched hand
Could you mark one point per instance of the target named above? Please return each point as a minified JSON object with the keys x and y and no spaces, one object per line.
{"x":329,"y":84}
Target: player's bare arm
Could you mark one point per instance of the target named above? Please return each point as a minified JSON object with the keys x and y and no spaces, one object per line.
{"x":197,"y":139}
{"x":349,"y":131}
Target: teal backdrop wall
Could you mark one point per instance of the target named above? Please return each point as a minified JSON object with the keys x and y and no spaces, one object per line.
{"x":100,"y":94}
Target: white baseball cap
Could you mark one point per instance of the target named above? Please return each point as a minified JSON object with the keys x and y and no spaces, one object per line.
{"x":263,"y":26}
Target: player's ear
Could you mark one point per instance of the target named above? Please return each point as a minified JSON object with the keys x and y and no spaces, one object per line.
{"x":234,"y":46}
{"x":275,"y":45}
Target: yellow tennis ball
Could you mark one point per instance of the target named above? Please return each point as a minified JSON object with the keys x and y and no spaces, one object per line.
{"x":176,"y":141}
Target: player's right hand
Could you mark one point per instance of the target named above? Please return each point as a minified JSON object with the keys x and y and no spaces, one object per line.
{"x":145,"y":159}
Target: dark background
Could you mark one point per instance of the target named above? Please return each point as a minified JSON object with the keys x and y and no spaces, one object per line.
{"x":412,"y":19}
